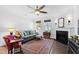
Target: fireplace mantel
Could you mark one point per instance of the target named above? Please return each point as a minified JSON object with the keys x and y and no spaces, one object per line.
{"x":63,"y":29}
{"x":62,"y":36}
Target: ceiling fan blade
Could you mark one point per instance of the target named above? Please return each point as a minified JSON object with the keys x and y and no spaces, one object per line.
{"x":42,"y":11}
{"x":41,"y":7}
{"x":30,"y":7}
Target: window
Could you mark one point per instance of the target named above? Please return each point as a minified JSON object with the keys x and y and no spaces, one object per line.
{"x":38,"y":25}
{"x":47,"y":25}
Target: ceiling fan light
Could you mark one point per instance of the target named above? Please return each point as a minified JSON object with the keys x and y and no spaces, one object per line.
{"x":37,"y":12}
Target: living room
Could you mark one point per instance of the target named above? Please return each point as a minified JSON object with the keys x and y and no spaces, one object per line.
{"x":40,"y":27}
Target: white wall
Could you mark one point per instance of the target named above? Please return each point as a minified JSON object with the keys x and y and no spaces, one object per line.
{"x":76,"y":18}
{"x":66,"y":12}
{"x":19,"y":17}
{"x":10,"y":17}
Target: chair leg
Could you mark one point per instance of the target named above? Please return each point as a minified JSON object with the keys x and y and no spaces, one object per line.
{"x":9,"y":52}
{"x":20,"y":49}
{"x":13,"y":51}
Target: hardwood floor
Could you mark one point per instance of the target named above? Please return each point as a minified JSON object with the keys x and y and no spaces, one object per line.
{"x":3,"y":50}
{"x":59,"y":48}
{"x":43,"y":46}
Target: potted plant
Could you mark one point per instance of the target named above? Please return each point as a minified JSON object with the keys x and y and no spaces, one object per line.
{"x":76,"y":38}
{"x":72,"y":38}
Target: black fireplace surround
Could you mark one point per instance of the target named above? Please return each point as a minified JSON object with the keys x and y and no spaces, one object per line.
{"x":62,"y":36}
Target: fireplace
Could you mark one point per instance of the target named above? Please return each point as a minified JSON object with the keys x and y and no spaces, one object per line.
{"x":62,"y":36}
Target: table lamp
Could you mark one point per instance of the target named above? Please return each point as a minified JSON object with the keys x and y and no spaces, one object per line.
{"x":11,"y":30}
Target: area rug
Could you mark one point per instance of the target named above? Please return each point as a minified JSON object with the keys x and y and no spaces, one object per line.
{"x":37,"y":46}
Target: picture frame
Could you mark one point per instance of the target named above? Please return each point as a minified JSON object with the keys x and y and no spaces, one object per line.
{"x":61,"y":22}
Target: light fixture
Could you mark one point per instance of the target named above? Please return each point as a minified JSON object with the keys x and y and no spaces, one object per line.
{"x":69,"y":21}
{"x":69,"y":18}
{"x":37,"y":12}
{"x":55,"y":22}
{"x":11,"y":30}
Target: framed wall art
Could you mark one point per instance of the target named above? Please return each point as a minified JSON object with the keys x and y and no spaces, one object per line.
{"x":61,"y":22}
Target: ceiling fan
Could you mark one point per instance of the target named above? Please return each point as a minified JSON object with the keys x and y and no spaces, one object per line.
{"x":38,"y":10}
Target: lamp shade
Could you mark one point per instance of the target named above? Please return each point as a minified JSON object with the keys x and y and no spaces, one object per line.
{"x":11,"y":29}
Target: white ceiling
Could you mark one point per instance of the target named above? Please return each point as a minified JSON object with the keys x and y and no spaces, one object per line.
{"x":20,"y":15}
{"x":25,"y":12}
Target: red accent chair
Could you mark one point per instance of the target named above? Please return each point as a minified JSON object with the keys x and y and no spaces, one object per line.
{"x":9,"y":46}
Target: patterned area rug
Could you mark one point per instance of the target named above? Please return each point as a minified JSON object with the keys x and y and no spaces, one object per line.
{"x":37,"y":46}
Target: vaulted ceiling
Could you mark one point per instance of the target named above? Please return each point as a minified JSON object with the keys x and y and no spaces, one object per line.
{"x":25,"y":12}
{"x":20,"y":15}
